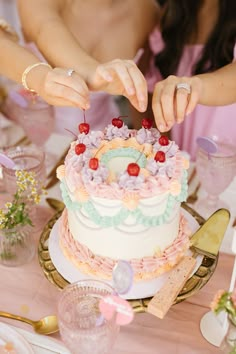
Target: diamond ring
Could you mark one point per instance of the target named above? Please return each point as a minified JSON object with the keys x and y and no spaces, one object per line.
{"x":185,"y":86}
{"x":70,"y":72}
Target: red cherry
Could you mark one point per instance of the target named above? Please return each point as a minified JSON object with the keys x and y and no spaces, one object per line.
{"x":93,"y":163}
{"x":133,"y":169}
{"x":160,"y":156}
{"x":163,"y":140}
{"x":146,"y":123}
{"x":117,"y":122}
{"x":80,"y":148}
{"x":84,"y":128}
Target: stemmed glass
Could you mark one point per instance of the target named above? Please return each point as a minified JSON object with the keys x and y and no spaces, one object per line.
{"x":82,"y":326}
{"x":33,"y":114}
{"x":215,"y":171}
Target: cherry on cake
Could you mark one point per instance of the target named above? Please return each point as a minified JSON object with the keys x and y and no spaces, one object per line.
{"x":122,"y":189}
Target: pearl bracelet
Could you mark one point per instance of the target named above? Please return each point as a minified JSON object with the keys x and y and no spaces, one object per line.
{"x":26,"y":72}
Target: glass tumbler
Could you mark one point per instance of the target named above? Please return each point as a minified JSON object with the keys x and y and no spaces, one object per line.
{"x":27,"y":158}
{"x":82,"y":326}
{"x":30,"y":159}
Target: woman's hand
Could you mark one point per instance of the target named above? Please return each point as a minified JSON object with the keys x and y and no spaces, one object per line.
{"x":173,"y":99}
{"x":60,"y":89}
{"x":121,"y":77}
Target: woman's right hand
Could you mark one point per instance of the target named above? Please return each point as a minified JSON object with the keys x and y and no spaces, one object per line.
{"x":59,"y":89}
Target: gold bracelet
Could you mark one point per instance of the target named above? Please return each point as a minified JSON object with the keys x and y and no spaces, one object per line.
{"x":26,"y":72}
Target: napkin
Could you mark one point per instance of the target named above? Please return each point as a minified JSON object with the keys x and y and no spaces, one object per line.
{"x":42,"y":344}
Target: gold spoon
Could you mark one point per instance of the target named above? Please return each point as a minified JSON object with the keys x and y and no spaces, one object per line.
{"x":55,"y":204}
{"x":47,"y":325}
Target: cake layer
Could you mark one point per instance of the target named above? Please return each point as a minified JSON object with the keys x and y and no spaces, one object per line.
{"x":122,"y":189}
{"x":131,"y":238}
{"x":144,"y":268}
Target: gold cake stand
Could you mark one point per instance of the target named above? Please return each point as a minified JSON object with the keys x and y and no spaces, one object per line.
{"x":191,"y":287}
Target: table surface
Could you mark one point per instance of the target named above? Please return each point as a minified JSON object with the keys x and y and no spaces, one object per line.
{"x":25,"y":291}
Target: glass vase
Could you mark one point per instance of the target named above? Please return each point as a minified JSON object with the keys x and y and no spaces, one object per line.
{"x":228,"y":346}
{"x":17,"y":246}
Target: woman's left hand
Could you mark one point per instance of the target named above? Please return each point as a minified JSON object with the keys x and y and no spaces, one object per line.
{"x":173,"y":99}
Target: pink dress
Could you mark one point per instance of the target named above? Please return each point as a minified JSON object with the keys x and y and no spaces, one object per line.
{"x":204,"y":120}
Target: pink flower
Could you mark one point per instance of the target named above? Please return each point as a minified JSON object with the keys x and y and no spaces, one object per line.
{"x":215,"y":302}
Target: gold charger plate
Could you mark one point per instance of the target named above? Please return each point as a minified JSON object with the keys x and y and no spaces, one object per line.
{"x":191,"y":287}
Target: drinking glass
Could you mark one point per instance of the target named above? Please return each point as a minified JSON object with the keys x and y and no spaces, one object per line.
{"x":215,"y":171}
{"x":82,"y":327}
{"x":33,"y":114}
{"x":31,"y":159}
{"x":27,"y":158}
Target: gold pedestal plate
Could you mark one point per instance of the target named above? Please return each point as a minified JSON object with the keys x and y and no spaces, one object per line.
{"x":193,"y":285}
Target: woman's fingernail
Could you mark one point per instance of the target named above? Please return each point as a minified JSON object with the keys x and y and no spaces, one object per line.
{"x":161,"y":127}
{"x":142,"y":107}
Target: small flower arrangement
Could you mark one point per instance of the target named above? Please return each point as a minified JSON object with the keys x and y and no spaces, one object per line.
{"x":15,"y":216}
{"x":16,"y":212}
{"x":225,"y":301}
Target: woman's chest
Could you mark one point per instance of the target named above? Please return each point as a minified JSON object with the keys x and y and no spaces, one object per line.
{"x":106,"y":32}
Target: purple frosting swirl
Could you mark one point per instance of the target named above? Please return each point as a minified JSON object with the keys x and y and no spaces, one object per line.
{"x":97,"y":176}
{"x":92,"y":139}
{"x":160,"y":168}
{"x":147,"y":136}
{"x":130,"y":182}
{"x":78,"y":161}
{"x":115,"y":132}
{"x":170,"y":150}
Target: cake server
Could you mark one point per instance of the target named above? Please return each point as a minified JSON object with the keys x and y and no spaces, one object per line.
{"x":205,"y":241}
{"x":208,"y":238}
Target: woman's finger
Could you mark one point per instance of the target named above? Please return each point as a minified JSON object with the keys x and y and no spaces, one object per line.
{"x":157,"y":108}
{"x":65,"y":93}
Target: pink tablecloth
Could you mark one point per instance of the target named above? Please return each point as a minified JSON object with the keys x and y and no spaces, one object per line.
{"x":26,"y":291}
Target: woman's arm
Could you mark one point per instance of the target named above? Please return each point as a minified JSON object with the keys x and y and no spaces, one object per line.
{"x":51,"y":84}
{"x":43,"y":23}
{"x":171,"y":105}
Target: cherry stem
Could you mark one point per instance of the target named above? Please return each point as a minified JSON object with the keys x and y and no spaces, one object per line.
{"x":98,"y":150}
{"x":71,"y":132}
{"x":141,"y":152}
{"x":84,"y":116}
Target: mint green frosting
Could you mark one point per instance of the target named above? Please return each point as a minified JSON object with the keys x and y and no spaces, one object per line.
{"x":124,"y":213}
{"x":124,"y":152}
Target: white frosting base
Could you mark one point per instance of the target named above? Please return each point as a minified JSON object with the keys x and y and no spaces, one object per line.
{"x":129,"y":240}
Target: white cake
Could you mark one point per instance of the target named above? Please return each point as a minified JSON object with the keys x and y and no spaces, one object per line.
{"x":118,"y":211}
